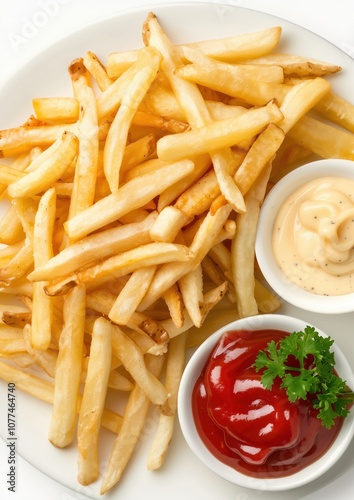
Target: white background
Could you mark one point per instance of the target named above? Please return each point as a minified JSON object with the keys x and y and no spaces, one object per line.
{"x":28,"y":26}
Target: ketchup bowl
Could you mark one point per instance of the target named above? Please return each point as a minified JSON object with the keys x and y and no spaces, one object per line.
{"x":305,"y":239}
{"x":268,"y":421}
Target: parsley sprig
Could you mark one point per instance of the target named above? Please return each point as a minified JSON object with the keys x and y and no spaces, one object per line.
{"x":305,"y":364}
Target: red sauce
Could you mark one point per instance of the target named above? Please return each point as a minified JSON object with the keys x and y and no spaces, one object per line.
{"x":256,"y":431}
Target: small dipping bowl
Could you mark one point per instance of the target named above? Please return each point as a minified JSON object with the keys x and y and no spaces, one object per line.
{"x":195,"y":367}
{"x":275,"y":277}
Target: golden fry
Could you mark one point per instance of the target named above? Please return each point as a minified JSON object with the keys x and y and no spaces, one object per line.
{"x":56,"y":109}
{"x":68,"y":370}
{"x":84,"y":184}
{"x":242,"y":249}
{"x":42,"y":306}
{"x":132,"y":359}
{"x":251,"y":91}
{"x":97,"y":70}
{"x":174,"y":369}
{"x":134,"y":418}
{"x":131,"y":295}
{"x":239,"y":47}
{"x":118,"y":132}
{"x":132,"y":195}
{"x":65,"y":150}
{"x":93,"y":401}
{"x":219,"y":134}
{"x":297,"y":65}
{"x":323,"y":138}
{"x":95,"y":247}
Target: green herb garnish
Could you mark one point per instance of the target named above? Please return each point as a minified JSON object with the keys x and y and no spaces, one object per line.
{"x":305,"y":363}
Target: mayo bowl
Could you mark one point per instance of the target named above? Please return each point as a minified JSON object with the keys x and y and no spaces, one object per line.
{"x":202,"y":451}
{"x":311,"y":267}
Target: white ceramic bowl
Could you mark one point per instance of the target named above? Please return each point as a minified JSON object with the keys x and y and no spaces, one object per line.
{"x":195,"y":367}
{"x":275,"y":277}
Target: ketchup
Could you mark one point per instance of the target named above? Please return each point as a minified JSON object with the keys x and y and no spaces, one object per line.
{"x":257,"y":431}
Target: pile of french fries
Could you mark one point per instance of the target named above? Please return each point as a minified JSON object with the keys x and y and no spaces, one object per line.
{"x":130,"y":222}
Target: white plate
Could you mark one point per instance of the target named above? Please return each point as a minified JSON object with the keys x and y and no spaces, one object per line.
{"x":182,"y":475}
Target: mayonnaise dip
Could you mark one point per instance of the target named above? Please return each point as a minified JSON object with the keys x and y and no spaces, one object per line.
{"x":313,"y":236}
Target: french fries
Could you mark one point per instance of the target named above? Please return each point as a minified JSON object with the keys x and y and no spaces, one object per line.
{"x":93,"y":401}
{"x":68,"y":369}
{"x":56,"y":109}
{"x":42,"y":307}
{"x":132,"y":208}
{"x":118,"y":132}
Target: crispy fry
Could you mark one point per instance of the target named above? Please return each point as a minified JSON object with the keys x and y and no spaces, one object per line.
{"x":132,"y":359}
{"x":323,"y":139}
{"x":242,"y":249}
{"x":95,"y":247}
{"x":191,"y":287}
{"x":198,"y":198}
{"x":134,"y":417}
{"x":297,"y":65}
{"x":68,"y":370}
{"x":168,"y":223}
{"x":41,"y":179}
{"x":42,"y":306}
{"x":258,"y":156}
{"x":219,"y":134}
{"x":83,"y":191}
{"x":174,"y":302}
{"x":300,"y":99}
{"x":132,"y":195}
{"x":131,"y":295}
{"x":22,"y":139}
{"x":174,"y":370}
{"x":251,"y":91}
{"x":239,"y":47}
{"x":56,"y":109}
{"x":93,"y":400}
{"x":151,"y":254}
{"x":118,"y":132}
{"x":97,"y":70}
{"x":265,"y":73}
{"x":338,"y":110}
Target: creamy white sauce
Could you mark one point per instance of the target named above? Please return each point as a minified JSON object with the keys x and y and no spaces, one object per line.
{"x":313,"y":236}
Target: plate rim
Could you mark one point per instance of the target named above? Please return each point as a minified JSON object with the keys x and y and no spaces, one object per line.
{"x":131,"y":12}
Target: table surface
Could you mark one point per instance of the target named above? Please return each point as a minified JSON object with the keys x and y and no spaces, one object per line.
{"x":25,"y":30}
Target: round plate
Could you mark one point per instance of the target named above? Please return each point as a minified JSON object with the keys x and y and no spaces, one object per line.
{"x":182,"y":475}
